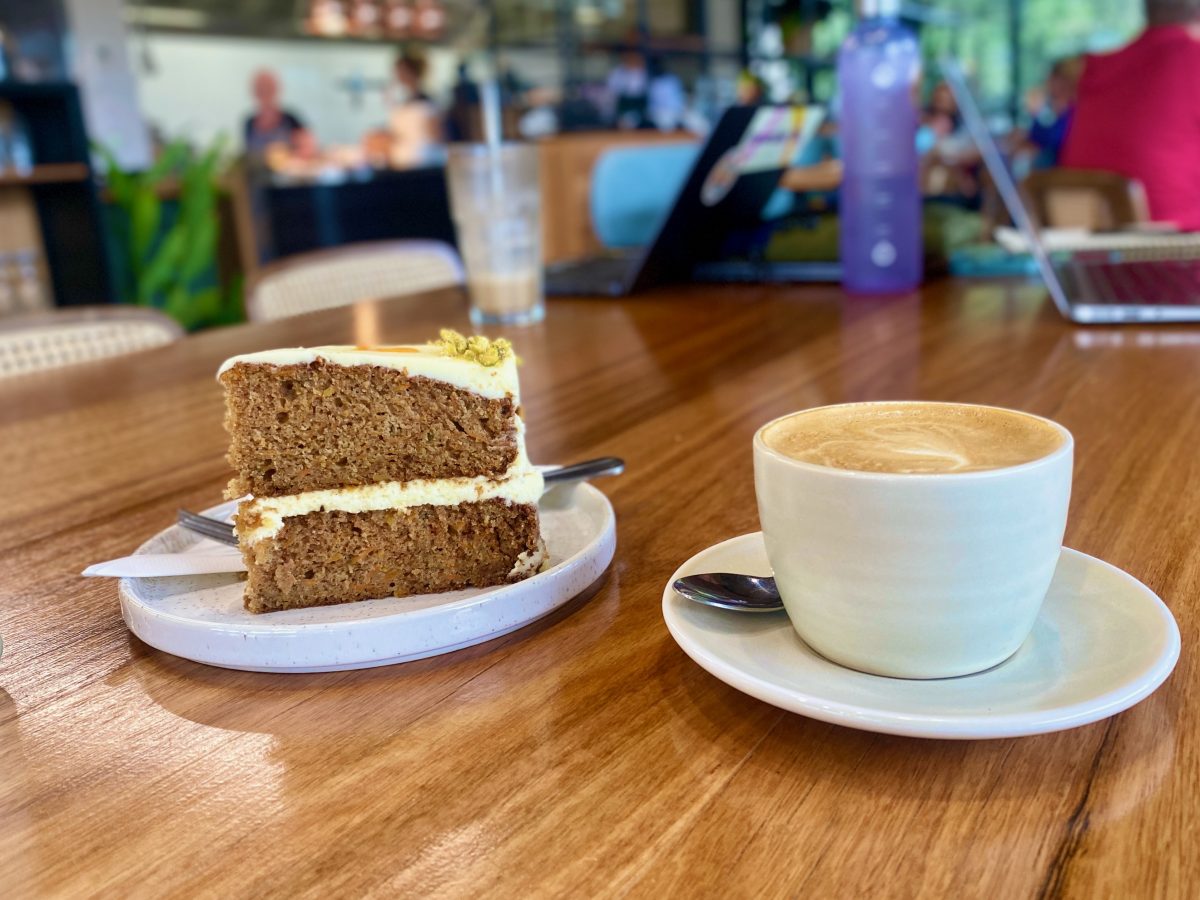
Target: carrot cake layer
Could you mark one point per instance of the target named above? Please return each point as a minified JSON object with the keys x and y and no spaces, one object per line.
{"x":381,"y":471}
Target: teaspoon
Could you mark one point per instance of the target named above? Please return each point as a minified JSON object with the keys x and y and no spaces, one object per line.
{"x":724,"y":590}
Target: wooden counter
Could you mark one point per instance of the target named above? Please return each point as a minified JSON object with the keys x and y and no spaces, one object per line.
{"x":586,"y":755}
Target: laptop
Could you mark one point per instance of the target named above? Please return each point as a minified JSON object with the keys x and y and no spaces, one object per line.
{"x":1142,"y":280}
{"x":734,"y":175}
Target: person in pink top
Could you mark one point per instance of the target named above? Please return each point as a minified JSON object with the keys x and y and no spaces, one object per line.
{"x":1138,"y":112}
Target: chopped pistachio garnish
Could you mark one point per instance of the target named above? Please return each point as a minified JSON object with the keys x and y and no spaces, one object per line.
{"x":477,"y":348}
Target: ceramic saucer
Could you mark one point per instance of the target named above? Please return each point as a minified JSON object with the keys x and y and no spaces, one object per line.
{"x":1102,"y":642}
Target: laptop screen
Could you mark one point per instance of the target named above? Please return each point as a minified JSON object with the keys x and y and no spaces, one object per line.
{"x":1003,"y":179}
{"x":730,"y":182}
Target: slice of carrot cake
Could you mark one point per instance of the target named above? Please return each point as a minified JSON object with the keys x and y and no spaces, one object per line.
{"x":380,"y":471}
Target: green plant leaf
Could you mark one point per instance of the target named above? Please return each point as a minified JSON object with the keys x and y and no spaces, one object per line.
{"x":199,"y":253}
{"x":174,"y":155}
{"x":194,"y":310}
{"x":212,"y":156}
{"x":179,"y":307}
{"x":198,"y":195}
{"x":145,"y":216}
{"x":206,"y":305}
{"x":198,"y":202}
{"x":160,"y":273}
{"x":167,"y":264}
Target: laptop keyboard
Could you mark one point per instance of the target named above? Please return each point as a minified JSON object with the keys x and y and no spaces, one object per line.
{"x":601,"y":275}
{"x":1162,"y":282}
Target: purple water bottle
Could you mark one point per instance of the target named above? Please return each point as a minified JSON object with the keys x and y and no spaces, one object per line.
{"x":880,"y":205}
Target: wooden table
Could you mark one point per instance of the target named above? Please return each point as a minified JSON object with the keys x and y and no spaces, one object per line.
{"x":585,"y":755}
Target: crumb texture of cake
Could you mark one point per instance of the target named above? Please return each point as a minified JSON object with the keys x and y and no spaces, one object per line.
{"x":339,"y":557}
{"x":309,"y":426}
{"x":377,"y":472}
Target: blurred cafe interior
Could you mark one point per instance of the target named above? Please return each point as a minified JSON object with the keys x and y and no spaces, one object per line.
{"x":284,"y":127}
{"x":690,"y":218}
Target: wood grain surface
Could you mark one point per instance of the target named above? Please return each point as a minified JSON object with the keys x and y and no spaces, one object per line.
{"x":585,"y":755}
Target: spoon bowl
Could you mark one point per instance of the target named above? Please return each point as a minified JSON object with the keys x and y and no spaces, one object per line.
{"x":726,"y":590}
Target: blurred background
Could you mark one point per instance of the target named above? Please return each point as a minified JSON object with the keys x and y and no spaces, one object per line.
{"x":162,"y":153}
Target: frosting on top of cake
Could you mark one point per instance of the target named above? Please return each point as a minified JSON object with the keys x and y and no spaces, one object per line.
{"x":495,"y":378}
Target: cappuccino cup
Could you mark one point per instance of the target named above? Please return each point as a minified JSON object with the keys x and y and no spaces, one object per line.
{"x":913,"y":539}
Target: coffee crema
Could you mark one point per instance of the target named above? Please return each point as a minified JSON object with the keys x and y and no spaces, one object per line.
{"x":913,"y":438}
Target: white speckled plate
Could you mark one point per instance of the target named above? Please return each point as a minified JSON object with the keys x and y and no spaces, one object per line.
{"x":1102,"y":642}
{"x":200,"y":617}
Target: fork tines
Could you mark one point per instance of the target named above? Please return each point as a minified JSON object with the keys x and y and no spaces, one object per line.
{"x":213,"y":529}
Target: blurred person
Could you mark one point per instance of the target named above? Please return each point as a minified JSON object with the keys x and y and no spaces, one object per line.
{"x":512,"y":85}
{"x":666,"y":100}
{"x":465,"y":90}
{"x":628,"y":85}
{"x":949,"y":158}
{"x":1051,"y":108}
{"x":750,"y":90}
{"x":463,"y":115}
{"x":941,"y":114}
{"x":414,"y":122}
{"x":270,"y":123}
{"x":1137,"y":112}
{"x":514,"y":96}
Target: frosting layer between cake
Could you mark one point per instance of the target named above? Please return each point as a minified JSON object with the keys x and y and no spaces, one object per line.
{"x":427,"y":360}
{"x":520,"y":485}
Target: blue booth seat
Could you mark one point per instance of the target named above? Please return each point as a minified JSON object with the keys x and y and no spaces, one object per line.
{"x":633,"y":188}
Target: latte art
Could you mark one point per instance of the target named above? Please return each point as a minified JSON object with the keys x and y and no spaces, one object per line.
{"x":913,"y":438}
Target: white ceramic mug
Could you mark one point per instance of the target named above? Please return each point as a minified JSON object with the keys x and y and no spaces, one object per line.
{"x":913,"y":576}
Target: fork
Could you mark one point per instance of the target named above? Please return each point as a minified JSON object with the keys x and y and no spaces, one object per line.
{"x":220,"y":531}
{"x":208,"y":527}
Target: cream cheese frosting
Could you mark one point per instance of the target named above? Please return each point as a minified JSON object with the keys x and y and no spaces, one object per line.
{"x":521,"y":485}
{"x":426,"y":360}
{"x":530,"y":562}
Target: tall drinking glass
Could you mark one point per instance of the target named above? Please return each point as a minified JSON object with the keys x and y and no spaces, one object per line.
{"x":496,"y":203}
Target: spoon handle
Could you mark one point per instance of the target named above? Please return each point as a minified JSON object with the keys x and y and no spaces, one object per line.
{"x":582,"y":471}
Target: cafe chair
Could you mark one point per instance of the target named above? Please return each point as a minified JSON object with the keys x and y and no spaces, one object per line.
{"x":632,"y":188}
{"x":339,"y":277}
{"x":1084,"y":198}
{"x":49,"y":340}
